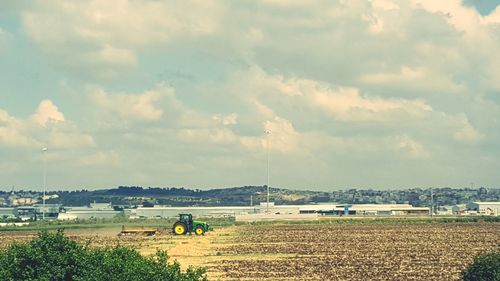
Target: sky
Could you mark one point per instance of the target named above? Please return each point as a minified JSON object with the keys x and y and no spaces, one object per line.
{"x":353,"y":94}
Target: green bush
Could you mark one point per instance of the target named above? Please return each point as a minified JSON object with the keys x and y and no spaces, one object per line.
{"x":55,"y":257}
{"x":486,"y":267}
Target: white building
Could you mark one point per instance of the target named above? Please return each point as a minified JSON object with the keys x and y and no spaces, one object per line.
{"x":88,"y":214}
{"x":7,"y":212}
{"x":364,"y":209}
{"x":95,"y":211}
{"x":459,"y":209}
{"x":321,"y":209}
{"x":485,"y":208}
{"x":346,"y":209}
{"x":169,"y":212}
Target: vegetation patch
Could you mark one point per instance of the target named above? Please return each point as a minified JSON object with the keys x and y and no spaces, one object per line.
{"x":486,"y":267}
{"x":53,"y":256}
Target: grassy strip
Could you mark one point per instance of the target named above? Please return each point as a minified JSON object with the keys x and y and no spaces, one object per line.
{"x":108,"y":223}
{"x":221,"y":222}
{"x":380,"y":220}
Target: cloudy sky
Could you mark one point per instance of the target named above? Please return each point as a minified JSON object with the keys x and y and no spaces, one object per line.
{"x":354,"y":93}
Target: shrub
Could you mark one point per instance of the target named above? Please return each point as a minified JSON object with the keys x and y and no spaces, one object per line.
{"x":485,"y":267}
{"x":55,"y":257}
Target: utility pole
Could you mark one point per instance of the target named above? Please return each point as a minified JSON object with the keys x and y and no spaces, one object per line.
{"x":267,"y":148}
{"x":44,"y":152}
{"x":432,"y":203}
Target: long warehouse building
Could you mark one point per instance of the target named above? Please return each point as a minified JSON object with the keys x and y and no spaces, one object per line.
{"x":321,"y":209}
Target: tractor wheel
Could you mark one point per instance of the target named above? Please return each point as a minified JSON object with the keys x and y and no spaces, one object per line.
{"x":199,"y":230}
{"x":180,"y":228}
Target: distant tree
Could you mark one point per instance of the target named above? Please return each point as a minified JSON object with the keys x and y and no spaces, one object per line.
{"x":486,"y":267}
{"x":55,"y":257}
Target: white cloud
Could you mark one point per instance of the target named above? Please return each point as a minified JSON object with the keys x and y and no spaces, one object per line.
{"x":208,"y":136}
{"x":47,"y":112}
{"x":113,"y":56}
{"x":416,"y":79}
{"x":286,"y":3}
{"x":227,"y":119}
{"x":46,"y":127}
{"x":132,"y":106}
{"x":3,"y":37}
{"x":107,"y":34}
{"x":409,"y":147}
{"x":493,"y":17}
{"x":122,"y":21}
{"x":277,"y":134}
{"x":385,"y":4}
{"x":406,"y":74}
{"x":465,"y":132}
{"x":12,"y":134}
{"x":264,"y":111}
{"x":344,"y":103}
{"x":338,"y":83}
{"x":463,"y":18}
{"x":101,"y":158}
{"x":5,"y":118}
{"x":285,"y":140}
{"x":348,"y":104}
{"x":282,"y":135}
{"x":70,"y":139}
{"x":375,"y":23}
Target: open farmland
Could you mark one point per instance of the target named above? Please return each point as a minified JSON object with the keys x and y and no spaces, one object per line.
{"x":332,"y":251}
{"x":329,"y":250}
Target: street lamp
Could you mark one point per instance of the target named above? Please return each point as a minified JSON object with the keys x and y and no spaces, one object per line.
{"x":432,"y":203}
{"x":44,"y":152}
{"x":267,"y":149}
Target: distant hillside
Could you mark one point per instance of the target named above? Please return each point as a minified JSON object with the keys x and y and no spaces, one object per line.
{"x":234,"y":196}
{"x":244,"y":196}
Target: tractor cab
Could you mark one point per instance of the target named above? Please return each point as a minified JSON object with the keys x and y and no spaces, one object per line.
{"x":186,"y":217}
{"x":188,"y":220}
{"x":186,"y":224}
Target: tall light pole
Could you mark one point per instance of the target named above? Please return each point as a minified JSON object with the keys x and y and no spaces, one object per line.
{"x":44,"y":152}
{"x":432,"y":202}
{"x":267,"y":151}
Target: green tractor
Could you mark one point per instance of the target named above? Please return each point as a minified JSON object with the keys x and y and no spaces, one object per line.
{"x":186,"y":224}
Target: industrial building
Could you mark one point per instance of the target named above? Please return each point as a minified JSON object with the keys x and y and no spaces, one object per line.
{"x":108,"y":211}
{"x":8,"y":212}
{"x":320,"y":209}
{"x":94,"y":211}
{"x":347,"y":209}
{"x":485,"y":208}
{"x":168,"y":212}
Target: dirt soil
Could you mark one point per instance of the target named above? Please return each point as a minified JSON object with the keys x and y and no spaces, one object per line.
{"x":326,"y":251}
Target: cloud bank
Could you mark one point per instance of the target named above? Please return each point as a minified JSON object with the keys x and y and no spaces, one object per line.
{"x":376,"y":93}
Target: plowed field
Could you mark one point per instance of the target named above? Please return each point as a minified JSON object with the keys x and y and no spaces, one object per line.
{"x":326,"y":251}
{"x":357,"y":251}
